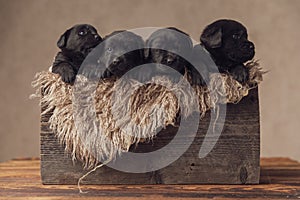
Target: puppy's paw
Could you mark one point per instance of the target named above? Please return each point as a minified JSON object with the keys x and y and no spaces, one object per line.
{"x":68,"y":76}
{"x":240,"y":73}
{"x":66,"y":72}
{"x":195,"y":78}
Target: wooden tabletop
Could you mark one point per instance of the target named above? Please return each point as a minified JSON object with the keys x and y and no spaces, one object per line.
{"x":280,"y":179}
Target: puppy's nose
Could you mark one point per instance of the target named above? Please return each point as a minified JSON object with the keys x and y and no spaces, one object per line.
{"x":97,"y":37}
{"x":116,"y":61}
{"x":251,"y":45}
{"x":169,"y":60}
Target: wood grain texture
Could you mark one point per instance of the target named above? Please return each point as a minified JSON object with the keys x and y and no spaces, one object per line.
{"x":233,"y":160}
{"x":279,"y":179}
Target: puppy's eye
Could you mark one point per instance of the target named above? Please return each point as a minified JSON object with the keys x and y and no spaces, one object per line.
{"x":109,"y":49}
{"x":82,"y":33}
{"x":236,"y":36}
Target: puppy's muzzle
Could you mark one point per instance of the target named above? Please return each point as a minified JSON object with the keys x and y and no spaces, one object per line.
{"x":97,"y":37}
{"x":248,"y":46}
{"x":116,"y":61}
{"x":248,"y":50}
{"x":169,"y":60}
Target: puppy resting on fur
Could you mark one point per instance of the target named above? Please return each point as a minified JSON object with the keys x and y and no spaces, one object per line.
{"x":227,"y":42}
{"x":120,"y":52}
{"x":75,"y":45}
{"x":173,"y":48}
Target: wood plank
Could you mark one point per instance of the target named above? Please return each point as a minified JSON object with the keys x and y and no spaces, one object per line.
{"x":233,"y":160}
{"x":280,"y":179}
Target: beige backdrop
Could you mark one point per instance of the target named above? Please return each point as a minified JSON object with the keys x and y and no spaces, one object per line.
{"x":30,"y":28}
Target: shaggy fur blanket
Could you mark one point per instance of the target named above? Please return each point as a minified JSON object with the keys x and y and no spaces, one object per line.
{"x":98,"y":120}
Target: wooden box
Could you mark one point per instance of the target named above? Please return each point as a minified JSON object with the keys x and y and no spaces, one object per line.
{"x":233,"y":160}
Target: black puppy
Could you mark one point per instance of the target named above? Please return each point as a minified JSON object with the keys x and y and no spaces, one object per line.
{"x":119,"y":52}
{"x":173,"y":48}
{"x":227,"y":42}
{"x":75,"y":45}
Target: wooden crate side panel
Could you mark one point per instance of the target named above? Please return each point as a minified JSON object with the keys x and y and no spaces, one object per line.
{"x":233,"y":160}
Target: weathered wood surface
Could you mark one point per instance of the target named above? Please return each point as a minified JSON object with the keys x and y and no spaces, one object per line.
{"x":233,"y":160}
{"x":279,"y":179}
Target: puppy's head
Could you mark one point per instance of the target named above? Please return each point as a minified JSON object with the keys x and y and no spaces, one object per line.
{"x":80,"y":38}
{"x":121,"y":51}
{"x":168,"y":46}
{"x":227,"y":41}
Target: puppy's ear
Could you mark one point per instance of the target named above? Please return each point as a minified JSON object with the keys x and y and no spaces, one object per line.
{"x":212,"y":37}
{"x":62,"y":41}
